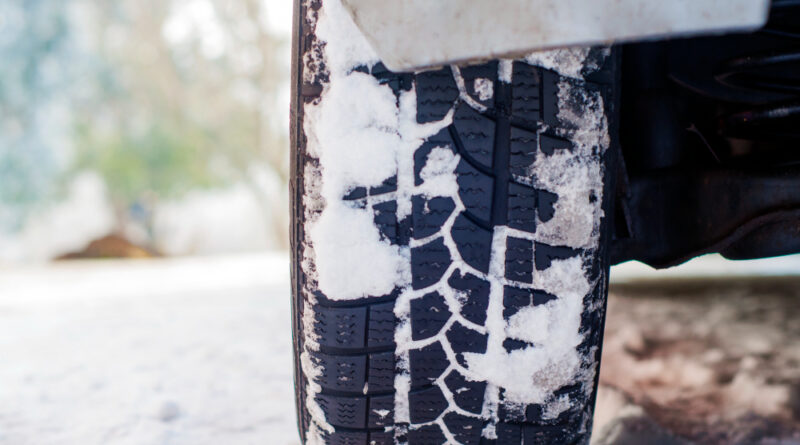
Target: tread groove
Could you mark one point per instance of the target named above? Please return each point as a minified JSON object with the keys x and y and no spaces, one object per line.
{"x":500,"y":162}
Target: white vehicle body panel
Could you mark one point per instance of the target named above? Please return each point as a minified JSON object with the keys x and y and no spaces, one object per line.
{"x":413,"y":34}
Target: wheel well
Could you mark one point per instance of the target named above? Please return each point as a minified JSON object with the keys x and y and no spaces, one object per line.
{"x":710,"y":137}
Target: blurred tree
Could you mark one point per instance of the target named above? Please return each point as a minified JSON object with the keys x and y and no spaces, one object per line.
{"x":39,"y":63}
{"x":188,"y":96}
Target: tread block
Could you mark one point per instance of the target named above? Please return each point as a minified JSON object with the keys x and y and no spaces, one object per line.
{"x":467,"y":430}
{"x":510,"y":412}
{"x":548,"y":111}
{"x":381,"y":411}
{"x":340,"y":327}
{"x":346,"y":438}
{"x":545,"y":254}
{"x":474,"y":243}
{"x":468,"y":395}
{"x":475,"y":190}
{"x":522,"y":204}
{"x":463,"y":339}
{"x":426,"y":405}
{"x":389,"y":185}
{"x":381,"y":438}
{"x":430,"y":214}
{"x":347,"y":412}
{"x":533,"y":413}
{"x":428,"y":434}
{"x":429,"y":314}
{"x":476,"y":133}
{"x":508,"y":433}
{"x":436,"y":93}
{"x":429,"y":262}
{"x":548,"y":434}
{"x":440,"y":139}
{"x":525,"y":88}
{"x":386,"y":220}
{"x":483,"y":71}
{"x":522,"y":154}
{"x":548,"y":144}
{"x":477,"y":295}
{"x":380,"y":376}
{"x":398,"y":82}
{"x":545,"y":205}
{"x":511,"y":344}
{"x":541,"y":297}
{"x":341,"y":373}
{"x":380,"y":331}
{"x":404,"y":231}
{"x":514,"y":299}
{"x":427,"y":364}
{"x":591,"y":320}
{"x":356,"y":193}
{"x":519,"y":260}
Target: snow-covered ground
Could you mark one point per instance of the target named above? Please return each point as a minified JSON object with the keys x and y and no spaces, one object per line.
{"x":198,"y":350}
{"x":187,"y":351}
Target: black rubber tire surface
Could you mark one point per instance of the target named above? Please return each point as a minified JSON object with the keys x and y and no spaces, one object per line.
{"x":351,"y":375}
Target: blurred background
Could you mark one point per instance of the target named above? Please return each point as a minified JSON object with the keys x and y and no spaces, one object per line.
{"x":144,"y":294}
{"x":144,"y":273}
{"x":143,"y":127}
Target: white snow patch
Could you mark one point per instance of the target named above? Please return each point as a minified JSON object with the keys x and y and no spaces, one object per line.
{"x":312,"y":371}
{"x":532,"y":374}
{"x":580,"y":192}
{"x":505,"y":70}
{"x":530,"y":324}
{"x":568,"y":62}
{"x":553,"y":409}
{"x":346,"y":46}
{"x":353,"y":131}
{"x":413,"y":135}
{"x":484,"y":88}
{"x":495,"y":327}
{"x":438,"y":174}
{"x":361,"y":135}
{"x":352,"y":260}
{"x":462,"y":90}
{"x":381,"y":412}
{"x":402,"y":385}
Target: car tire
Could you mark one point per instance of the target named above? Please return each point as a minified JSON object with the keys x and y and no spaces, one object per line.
{"x":449,"y":236}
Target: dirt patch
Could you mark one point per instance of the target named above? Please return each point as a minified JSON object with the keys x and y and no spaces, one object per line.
{"x":709,"y":361}
{"x":110,"y":246}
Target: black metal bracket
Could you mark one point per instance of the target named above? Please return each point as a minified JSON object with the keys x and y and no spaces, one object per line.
{"x":673,"y":218}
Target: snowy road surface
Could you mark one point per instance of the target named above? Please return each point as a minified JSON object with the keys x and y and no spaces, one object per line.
{"x":192,"y":351}
{"x":198,"y":351}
